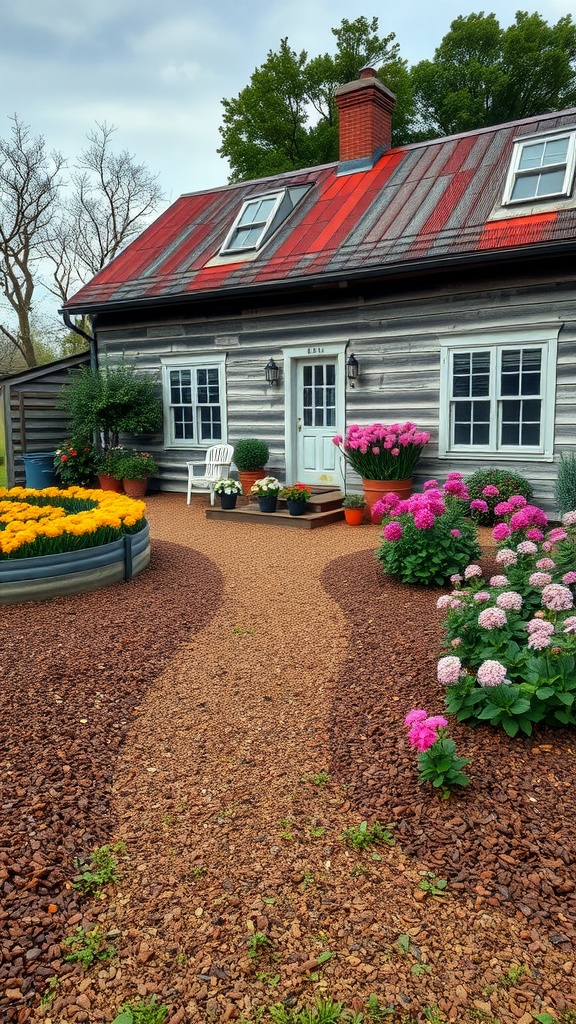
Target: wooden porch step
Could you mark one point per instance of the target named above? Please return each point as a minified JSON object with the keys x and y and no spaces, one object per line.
{"x":324,"y":507}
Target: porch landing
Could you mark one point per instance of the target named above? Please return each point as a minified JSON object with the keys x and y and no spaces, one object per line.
{"x":324,"y":507}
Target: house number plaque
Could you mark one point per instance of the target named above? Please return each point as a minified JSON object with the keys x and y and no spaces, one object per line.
{"x":315,"y":350}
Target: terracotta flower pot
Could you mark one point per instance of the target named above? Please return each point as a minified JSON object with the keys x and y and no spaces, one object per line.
{"x":109,"y":483}
{"x":376,"y":489}
{"x":247,"y":477}
{"x":354,"y":516}
{"x":136,"y":488}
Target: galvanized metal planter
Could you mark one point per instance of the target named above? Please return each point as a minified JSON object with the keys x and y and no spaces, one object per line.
{"x":73,"y":572}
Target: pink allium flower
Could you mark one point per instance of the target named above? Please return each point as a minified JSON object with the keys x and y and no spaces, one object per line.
{"x":395,"y":452}
{"x":557,"y":598}
{"x":449,"y":669}
{"x":569,"y":624}
{"x":491,"y":673}
{"x":539,"y":640}
{"x":443,"y":601}
{"x":557,"y":534}
{"x":416,"y":715}
{"x":490,"y":491}
{"x":375,"y":451}
{"x":503,"y":508}
{"x":501,"y":531}
{"x":430,"y":483}
{"x":569,"y":518}
{"x":455,"y":602}
{"x":569,"y":578}
{"x":455,"y":578}
{"x":540,"y":626}
{"x":482,"y":595}
{"x":545,"y":563}
{"x":499,"y":581}
{"x":506,"y":557}
{"x":517,"y":501}
{"x":547,"y":545}
{"x":424,"y":519}
{"x":337,"y":439}
{"x":457,"y":488}
{"x":492,"y":618}
{"x":478,"y":505}
{"x":510,"y":601}
{"x":539,"y":579}
{"x":457,"y":641}
{"x":534,"y":534}
{"x":454,"y":475}
{"x":527,"y":547}
{"x":455,"y":533}
{"x":393,"y":530}
{"x":471,"y":571}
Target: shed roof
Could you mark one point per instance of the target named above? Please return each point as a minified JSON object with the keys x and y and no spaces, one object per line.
{"x":428,"y":204}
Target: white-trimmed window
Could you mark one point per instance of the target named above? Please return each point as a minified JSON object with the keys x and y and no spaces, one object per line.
{"x":542,"y":167}
{"x":194,"y":401}
{"x":259,"y":218}
{"x":497,"y":393}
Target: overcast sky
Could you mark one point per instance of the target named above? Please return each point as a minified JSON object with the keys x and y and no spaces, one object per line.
{"x":158,"y":69}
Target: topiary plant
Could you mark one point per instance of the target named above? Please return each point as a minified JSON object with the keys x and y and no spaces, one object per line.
{"x":251,"y":454}
{"x":565,"y":486}
{"x":501,"y":485}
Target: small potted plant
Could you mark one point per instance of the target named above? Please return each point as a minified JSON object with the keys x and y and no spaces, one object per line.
{"x":136,"y":467}
{"x":250,"y":458}
{"x":109,"y":468}
{"x":353,"y":505}
{"x":296,"y":497}
{"x":266,"y":490}
{"x":228,"y":491}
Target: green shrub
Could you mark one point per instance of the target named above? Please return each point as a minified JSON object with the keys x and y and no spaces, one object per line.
{"x":565,"y":487}
{"x":507,"y":484}
{"x":251,"y":454}
{"x":110,"y":400}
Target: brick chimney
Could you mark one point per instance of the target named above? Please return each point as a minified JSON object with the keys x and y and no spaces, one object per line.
{"x":365,"y":110}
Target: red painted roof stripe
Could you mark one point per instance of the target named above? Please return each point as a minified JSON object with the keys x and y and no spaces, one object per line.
{"x":516,"y":231}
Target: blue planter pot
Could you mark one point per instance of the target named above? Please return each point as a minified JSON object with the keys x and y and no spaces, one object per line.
{"x":39,"y":470}
{"x":267,"y":504}
{"x":296,"y":508}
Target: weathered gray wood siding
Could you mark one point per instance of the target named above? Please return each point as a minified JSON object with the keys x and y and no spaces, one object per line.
{"x":33,"y":423}
{"x":394,"y":336}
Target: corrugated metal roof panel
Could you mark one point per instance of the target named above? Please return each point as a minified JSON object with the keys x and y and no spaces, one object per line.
{"x":417,"y":202}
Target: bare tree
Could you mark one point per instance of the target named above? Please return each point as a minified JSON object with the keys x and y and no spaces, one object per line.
{"x":29,"y":186}
{"x":112,"y":197}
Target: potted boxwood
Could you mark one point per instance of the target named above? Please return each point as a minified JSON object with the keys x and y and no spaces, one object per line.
{"x":266,"y":490}
{"x":250,"y":458}
{"x":353,"y":505}
{"x":228,"y":491}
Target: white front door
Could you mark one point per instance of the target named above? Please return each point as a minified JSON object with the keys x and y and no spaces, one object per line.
{"x":317,"y":418}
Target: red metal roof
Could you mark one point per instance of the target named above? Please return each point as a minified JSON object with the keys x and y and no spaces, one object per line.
{"x":427,"y":201}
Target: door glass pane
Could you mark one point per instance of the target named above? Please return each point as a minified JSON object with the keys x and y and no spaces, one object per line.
{"x":307,"y":376}
{"x":319,"y":417}
{"x":319,"y":374}
{"x":331,"y":374}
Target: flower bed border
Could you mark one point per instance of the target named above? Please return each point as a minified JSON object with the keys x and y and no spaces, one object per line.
{"x":74,"y":572}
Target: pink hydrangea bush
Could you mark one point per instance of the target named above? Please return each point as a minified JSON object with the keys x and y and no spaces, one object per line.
{"x":427,"y":538}
{"x":437,"y":759}
{"x":516,"y":636}
{"x":380,"y":452}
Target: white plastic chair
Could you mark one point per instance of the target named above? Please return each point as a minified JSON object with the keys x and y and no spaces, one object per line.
{"x":216,"y":467}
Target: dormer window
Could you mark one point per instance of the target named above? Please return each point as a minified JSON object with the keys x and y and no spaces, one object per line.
{"x":542,"y":168}
{"x":259,"y":218}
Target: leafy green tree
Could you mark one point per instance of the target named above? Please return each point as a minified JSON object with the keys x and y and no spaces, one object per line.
{"x":483,"y":74}
{"x":111,"y":400}
{"x":286,"y":117}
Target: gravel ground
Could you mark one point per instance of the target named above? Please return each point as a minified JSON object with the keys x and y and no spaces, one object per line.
{"x":228,"y":715}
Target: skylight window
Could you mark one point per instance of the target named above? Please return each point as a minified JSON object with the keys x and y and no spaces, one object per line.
{"x":259,"y":218}
{"x":541,"y":168}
